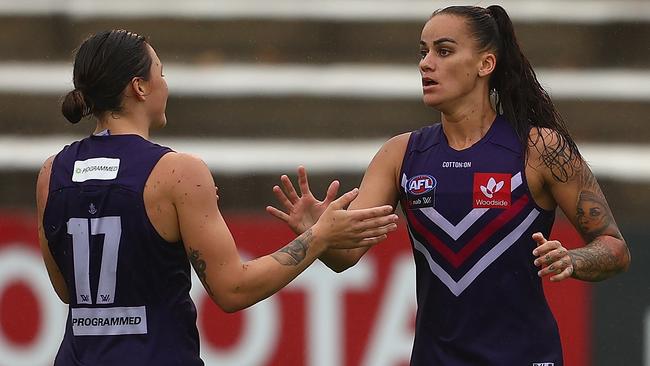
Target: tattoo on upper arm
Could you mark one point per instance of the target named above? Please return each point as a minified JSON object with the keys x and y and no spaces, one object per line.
{"x":200,"y":266}
{"x":593,"y":216}
{"x":293,"y":253}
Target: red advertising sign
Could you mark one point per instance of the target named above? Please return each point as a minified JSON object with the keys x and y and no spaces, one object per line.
{"x":363,"y":316}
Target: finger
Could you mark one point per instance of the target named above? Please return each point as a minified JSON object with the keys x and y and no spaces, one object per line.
{"x":368,"y":242}
{"x":332,"y":191}
{"x":282,"y":198}
{"x":546,"y":247}
{"x":377,"y":231}
{"x":303,"y":181}
{"x":370,"y":213}
{"x":539,"y":238}
{"x":365,"y":242}
{"x":345,"y":199}
{"x":554,"y":268}
{"x":288,"y":188}
{"x":551,"y":256}
{"x":566,"y":273}
{"x":277,"y":213}
{"x":376,"y":222}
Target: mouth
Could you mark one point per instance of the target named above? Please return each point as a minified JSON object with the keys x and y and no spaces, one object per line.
{"x":428,"y":82}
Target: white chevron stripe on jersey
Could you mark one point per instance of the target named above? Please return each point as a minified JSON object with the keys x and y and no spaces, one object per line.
{"x":458,"y":287}
{"x":455,"y":231}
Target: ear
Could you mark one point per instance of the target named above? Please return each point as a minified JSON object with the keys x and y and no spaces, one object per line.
{"x":488,"y":64}
{"x":139,"y":88}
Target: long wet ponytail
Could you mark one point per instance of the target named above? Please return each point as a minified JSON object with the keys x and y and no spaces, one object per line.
{"x":519,"y":96}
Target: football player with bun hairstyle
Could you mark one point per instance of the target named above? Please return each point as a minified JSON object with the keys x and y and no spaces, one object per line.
{"x":121,"y":219}
{"x":479,"y":191}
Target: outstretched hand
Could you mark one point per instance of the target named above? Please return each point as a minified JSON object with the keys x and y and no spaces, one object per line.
{"x":553,"y":258}
{"x":300,"y":212}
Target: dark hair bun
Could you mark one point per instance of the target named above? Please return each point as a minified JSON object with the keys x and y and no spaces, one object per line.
{"x":74,"y":106}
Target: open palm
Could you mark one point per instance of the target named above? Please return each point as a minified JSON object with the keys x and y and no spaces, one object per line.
{"x":300,"y":212}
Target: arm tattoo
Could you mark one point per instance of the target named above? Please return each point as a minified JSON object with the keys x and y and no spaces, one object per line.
{"x":597,"y":260}
{"x":293,"y":253}
{"x":594,"y":262}
{"x":593,"y":215}
{"x":199,"y":266}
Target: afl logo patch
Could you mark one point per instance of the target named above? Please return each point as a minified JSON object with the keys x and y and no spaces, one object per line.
{"x":421,"y":184}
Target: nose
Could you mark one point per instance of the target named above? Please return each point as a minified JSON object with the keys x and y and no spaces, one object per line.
{"x":427,"y":63}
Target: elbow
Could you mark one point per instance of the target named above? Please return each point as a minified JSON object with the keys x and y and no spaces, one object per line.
{"x":621,"y":257}
{"x":626,"y":257}
{"x":232,"y":302}
{"x":229,"y":305}
{"x":341,"y":266}
{"x":338,"y":268}
{"x":230,"y":309}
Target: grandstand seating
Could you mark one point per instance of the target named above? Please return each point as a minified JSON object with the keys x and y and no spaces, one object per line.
{"x":44,"y":35}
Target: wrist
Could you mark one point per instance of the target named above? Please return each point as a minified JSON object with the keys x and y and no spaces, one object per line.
{"x":573,"y":264}
{"x":314,"y":235}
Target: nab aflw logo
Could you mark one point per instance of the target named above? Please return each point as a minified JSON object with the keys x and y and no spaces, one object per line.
{"x":421,"y":184}
{"x":491,"y":190}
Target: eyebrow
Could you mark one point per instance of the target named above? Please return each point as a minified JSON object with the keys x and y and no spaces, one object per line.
{"x":439,"y":41}
{"x":443,"y":40}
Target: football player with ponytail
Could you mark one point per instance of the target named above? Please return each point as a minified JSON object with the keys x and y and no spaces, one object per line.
{"x":479,"y":191}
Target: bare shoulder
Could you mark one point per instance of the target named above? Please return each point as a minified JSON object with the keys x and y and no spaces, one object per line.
{"x":397,"y":144}
{"x":553,"y":156}
{"x":177,"y":165}
{"x":180,"y":173}
{"x":390,"y":155}
{"x":184,"y":161}
{"x":392,"y":151}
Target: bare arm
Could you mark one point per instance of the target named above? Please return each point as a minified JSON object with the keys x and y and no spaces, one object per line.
{"x":380,"y":186}
{"x":583,"y":202}
{"x":42,"y":190}
{"x":234,"y":284}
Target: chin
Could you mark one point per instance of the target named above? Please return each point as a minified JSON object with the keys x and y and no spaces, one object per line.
{"x":432,"y":102}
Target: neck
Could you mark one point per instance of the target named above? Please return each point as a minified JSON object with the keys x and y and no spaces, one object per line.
{"x":122,"y":125}
{"x":468,"y":123}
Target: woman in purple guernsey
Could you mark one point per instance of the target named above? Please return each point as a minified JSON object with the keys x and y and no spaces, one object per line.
{"x":122,"y":218}
{"x":479,"y":191}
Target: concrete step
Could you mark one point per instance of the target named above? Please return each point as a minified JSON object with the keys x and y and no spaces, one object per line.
{"x":613,"y":43}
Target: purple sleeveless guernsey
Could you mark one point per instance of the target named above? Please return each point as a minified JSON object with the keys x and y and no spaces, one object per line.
{"x":128,"y":287}
{"x":470,"y":219}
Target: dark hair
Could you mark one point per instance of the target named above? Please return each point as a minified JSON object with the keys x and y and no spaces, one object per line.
{"x":519,"y":96}
{"x":104,"y":64}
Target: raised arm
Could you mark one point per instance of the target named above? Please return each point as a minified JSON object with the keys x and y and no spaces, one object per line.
{"x":234,"y":284}
{"x":583,"y":202}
